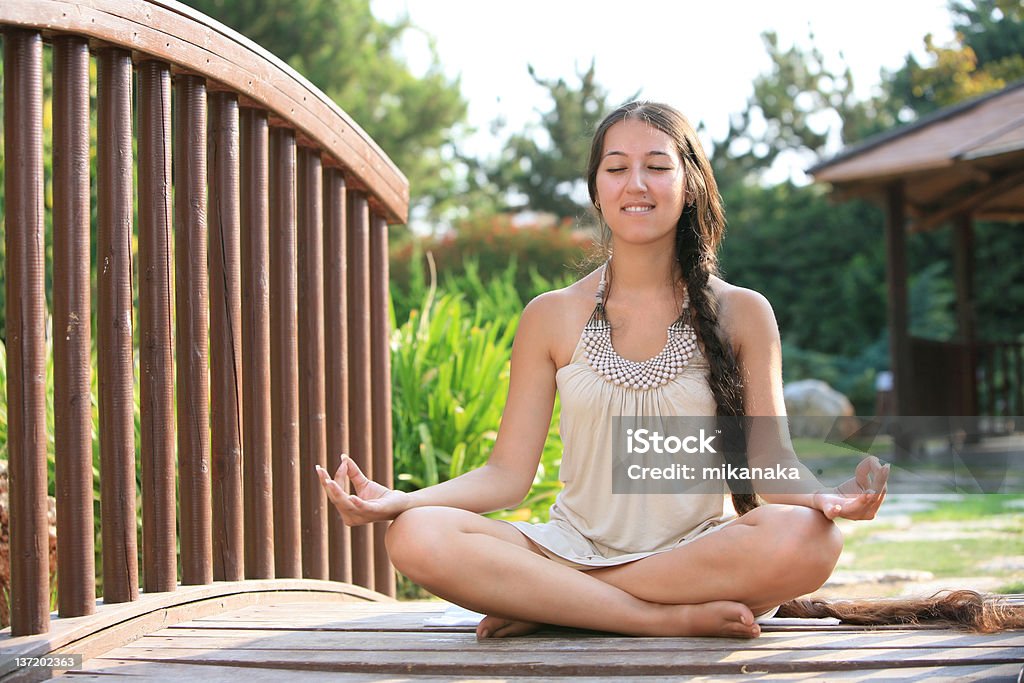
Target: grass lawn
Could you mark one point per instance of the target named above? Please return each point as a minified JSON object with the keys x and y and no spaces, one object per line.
{"x":980,"y":535}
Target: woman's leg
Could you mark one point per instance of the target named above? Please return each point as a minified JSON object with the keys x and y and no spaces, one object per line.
{"x":488,"y":566}
{"x":768,"y":556}
{"x":765,"y":558}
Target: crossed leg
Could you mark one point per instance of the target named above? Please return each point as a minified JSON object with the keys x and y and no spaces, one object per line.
{"x":711,"y":586}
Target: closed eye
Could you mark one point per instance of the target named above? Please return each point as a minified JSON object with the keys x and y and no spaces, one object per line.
{"x":660,"y":168}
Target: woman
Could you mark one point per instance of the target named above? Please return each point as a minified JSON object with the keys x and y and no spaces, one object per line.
{"x":632,"y":564}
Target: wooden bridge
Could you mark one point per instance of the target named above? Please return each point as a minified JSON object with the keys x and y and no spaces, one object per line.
{"x":239,"y":223}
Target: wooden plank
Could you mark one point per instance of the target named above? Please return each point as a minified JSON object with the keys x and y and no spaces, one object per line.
{"x":107,"y":669}
{"x":519,"y":658}
{"x":161,"y":609}
{"x":261,"y":639}
{"x":104,"y":669}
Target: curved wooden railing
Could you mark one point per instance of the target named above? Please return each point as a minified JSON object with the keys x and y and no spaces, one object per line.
{"x":275,"y":345}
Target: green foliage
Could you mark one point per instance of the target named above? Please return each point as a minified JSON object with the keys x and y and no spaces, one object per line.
{"x":542,"y":168}
{"x":800,"y":93}
{"x":485,"y":247}
{"x":820,"y":264}
{"x":450,"y":374}
{"x":355,"y":59}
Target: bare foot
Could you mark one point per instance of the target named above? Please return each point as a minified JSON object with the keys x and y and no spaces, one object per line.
{"x":721,"y":618}
{"x":498,"y":627}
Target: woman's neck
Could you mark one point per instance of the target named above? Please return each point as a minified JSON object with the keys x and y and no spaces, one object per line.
{"x":644,"y":272}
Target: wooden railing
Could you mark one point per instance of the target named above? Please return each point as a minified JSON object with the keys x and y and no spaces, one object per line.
{"x":955,"y":378}
{"x":1001,"y":378}
{"x":272,"y":357}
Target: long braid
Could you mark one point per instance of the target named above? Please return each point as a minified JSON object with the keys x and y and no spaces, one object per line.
{"x":724,"y":379}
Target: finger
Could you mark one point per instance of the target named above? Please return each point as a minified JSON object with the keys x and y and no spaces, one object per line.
{"x":341,"y":476}
{"x":356,"y":475}
{"x":882,"y":479}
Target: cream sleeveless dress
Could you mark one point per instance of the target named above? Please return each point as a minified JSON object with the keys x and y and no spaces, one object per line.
{"x":591,"y":527}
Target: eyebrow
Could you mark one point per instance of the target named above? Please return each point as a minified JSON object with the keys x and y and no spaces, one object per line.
{"x":653,"y":152}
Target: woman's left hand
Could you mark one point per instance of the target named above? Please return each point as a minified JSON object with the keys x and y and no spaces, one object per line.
{"x":860,"y":496}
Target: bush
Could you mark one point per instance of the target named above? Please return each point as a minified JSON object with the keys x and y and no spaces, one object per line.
{"x":450,"y":375}
{"x":489,"y":246}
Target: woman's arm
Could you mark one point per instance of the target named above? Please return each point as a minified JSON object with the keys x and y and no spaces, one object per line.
{"x":749,"y":322}
{"x":509,"y":472}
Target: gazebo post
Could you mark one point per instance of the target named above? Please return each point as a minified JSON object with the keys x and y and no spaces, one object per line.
{"x":897,"y":313}
{"x":963,"y":273}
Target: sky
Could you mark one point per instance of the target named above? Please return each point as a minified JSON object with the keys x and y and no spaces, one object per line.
{"x":699,"y":56}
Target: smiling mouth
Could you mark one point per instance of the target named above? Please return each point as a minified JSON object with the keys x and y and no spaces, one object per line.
{"x":638,"y":209}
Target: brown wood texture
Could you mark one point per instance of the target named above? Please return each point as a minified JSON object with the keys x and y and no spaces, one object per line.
{"x":380,"y":384}
{"x":312,"y":435}
{"x":156,"y":320}
{"x":934,"y":145}
{"x":256,"y":465}
{"x":114,"y":327}
{"x":898,"y":302}
{"x":359,"y":372}
{"x":192,"y":328}
{"x":284,"y":360}
{"x":114,"y":625}
{"x":391,"y":640}
{"x":172,"y":32}
{"x":26,"y":331}
{"x":226,"y":388}
{"x":339,"y":536}
{"x":72,"y":338}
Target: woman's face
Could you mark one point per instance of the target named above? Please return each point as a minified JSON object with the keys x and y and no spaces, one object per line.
{"x":641,"y":186}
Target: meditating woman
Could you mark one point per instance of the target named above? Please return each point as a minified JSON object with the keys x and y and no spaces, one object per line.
{"x":645,"y":563}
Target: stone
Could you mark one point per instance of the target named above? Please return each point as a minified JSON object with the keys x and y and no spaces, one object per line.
{"x":815,"y":398}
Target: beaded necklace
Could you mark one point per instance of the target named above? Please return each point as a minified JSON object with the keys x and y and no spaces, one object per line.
{"x":643,"y":375}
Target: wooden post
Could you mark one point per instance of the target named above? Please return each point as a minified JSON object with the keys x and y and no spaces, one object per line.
{"x":256,"y":465}
{"x":359,"y":372}
{"x":26,"y":332}
{"x":225,"y":339}
{"x":284,"y":358}
{"x":336,"y":345}
{"x":312,"y":435}
{"x":156,"y":366}
{"x":114,"y":327}
{"x":380,"y":364}
{"x":898,"y":304}
{"x":192,"y":342}
{"x":963,"y":272}
{"x":72,"y":316}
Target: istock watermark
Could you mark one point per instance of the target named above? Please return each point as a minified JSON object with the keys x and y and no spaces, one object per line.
{"x":678,"y":454}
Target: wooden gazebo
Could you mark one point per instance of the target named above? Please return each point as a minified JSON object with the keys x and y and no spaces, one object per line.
{"x":960,"y":164}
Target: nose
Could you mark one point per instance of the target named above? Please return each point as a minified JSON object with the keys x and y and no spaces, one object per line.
{"x":637,"y":181}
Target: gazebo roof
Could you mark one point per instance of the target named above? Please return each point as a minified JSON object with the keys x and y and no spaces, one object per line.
{"x":967,"y":158}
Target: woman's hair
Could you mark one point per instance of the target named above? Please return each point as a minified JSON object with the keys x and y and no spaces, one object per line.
{"x":699,"y":232}
{"x":957,"y":608}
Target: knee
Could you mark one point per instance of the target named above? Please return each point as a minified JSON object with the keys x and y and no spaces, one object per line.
{"x":414,"y":540}
{"x":806,"y":538}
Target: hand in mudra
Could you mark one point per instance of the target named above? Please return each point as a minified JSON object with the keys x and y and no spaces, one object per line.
{"x":858,"y":497}
{"x":369,"y":502}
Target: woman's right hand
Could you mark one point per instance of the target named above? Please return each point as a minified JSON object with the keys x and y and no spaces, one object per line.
{"x":370,"y":502}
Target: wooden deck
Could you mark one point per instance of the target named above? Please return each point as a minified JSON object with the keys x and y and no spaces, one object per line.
{"x":371,"y":641}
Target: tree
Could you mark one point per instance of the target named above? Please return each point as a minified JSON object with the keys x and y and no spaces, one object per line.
{"x":353,"y":57}
{"x":539,"y":168}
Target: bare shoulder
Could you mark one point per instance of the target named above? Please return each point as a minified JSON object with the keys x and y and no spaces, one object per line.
{"x":744,"y":315}
{"x":555,"y":319}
